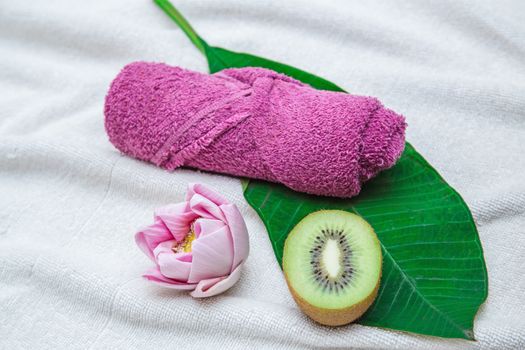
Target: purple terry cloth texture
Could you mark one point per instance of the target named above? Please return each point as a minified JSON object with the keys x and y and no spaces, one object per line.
{"x":252,"y":122}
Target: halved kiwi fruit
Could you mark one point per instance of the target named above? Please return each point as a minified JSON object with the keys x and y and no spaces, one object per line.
{"x":332,"y":263}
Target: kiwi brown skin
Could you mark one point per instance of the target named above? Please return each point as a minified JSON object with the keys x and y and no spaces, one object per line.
{"x":335,"y":317}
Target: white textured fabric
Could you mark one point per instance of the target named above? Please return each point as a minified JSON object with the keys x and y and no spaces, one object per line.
{"x":70,"y":203}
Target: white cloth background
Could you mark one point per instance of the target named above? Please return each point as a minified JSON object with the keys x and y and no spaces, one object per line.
{"x":70,"y":203}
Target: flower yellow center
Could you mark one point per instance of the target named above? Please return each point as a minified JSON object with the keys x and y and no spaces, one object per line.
{"x":184,"y":246}
{"x":188,"y":241}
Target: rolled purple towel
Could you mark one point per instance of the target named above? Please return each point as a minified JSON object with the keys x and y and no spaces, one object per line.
{"x":252,"y":122}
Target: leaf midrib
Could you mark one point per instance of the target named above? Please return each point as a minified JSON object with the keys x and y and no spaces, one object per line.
{"x":210,"y":50}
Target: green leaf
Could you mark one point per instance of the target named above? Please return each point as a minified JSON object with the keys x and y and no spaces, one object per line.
{"x":434,"y":275}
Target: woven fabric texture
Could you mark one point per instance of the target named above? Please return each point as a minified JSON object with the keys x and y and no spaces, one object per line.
{"x":70,"y":203}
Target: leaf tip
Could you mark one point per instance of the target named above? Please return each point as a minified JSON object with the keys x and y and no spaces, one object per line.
{"x":469,"y":334}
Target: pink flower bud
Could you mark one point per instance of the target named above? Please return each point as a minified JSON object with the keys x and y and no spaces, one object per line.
{"x":199,"y":245}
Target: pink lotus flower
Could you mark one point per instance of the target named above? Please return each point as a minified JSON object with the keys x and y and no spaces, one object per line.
{"x":200,"y":244}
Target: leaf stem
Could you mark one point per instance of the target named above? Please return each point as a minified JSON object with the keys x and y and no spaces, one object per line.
{"x":178,"y":18}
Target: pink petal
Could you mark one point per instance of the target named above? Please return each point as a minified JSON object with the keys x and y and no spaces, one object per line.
{"x":188,"y":257}
{"x":239,"y":232}
{"x":164,"y":247}
{"x":177,"y":218}
{"x":212,"y":256}
{"x":194,"y":188}
{"x":148,"y":238}
{"x":155,"y":276}
{"x":206,"y":226}
{"x":171,"y":266}
{"x":205,"y":208}
{"x":214,"y":286}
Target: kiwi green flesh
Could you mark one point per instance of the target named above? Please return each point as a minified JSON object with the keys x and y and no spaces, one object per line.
{"x":332,"y":259}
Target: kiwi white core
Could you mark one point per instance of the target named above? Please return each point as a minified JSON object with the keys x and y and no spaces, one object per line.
{"x":332,"y":259}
